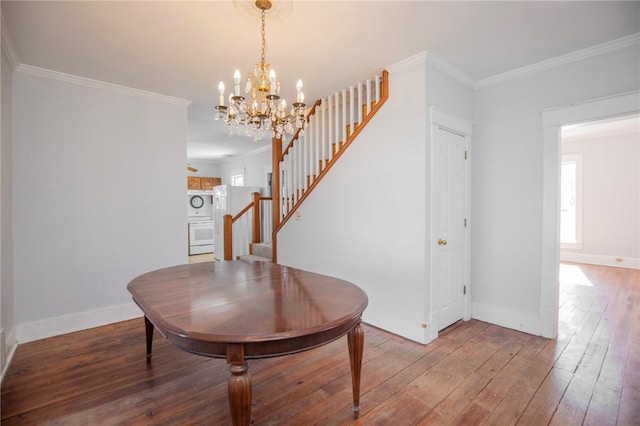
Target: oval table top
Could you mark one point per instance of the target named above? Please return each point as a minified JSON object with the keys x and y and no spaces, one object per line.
{"x":271,"y":309}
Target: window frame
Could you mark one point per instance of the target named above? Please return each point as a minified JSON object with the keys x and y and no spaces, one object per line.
{"x":578,"y":161}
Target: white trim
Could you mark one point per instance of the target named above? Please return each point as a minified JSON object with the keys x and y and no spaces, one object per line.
{"x":12,"y":345}
{"x":8,"y":47}
{"x":402,"y":326}
{"x":578,"y":161}
{"x":505,"y":317}
{"x":410,"y":62}
{"x":41,"y":329}
{"x":451,"y":71}
{"x":428,"y":58}
{"x":600,"y":108}
{"x":552,"y":119}
{"x":463,"y":127}
{"x":576,"y":56}
{"x":600,"y":259}
{"x":451,"y":121}
{"x":96,"y":84}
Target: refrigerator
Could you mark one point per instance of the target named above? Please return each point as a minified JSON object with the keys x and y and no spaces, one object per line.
{"x":228,"y":199}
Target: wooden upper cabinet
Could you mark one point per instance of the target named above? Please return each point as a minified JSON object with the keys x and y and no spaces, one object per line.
{"x":209,"y":182}
{"x":202,"y":183}
{"x":193,"y":182}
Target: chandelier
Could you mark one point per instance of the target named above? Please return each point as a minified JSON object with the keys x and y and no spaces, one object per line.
{"x":264,"y":110}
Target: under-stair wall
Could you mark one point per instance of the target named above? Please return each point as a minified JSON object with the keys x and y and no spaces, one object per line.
{"x":368,"y":220}
{"x":333,"y":123}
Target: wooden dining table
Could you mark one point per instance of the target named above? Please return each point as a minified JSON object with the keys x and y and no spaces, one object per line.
{"x":240,"y":310}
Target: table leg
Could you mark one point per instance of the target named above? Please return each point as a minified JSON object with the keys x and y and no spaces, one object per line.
{"x":148,"y":329}
{"x":355,"y":341}
{"x":239,"y":386}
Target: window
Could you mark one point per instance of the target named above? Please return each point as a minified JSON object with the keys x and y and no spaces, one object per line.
{"x":237,"y":180}
{"x":571,"y":201}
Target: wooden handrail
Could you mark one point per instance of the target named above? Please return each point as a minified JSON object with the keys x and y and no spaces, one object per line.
{"x":295,"y":137}
{"x":384,"y":95}
{"x":255,"y":225}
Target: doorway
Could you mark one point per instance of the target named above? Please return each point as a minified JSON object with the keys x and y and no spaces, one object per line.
{"x":599,"y":192}
{"x":552,"y":121}
{"x":449,"y":245}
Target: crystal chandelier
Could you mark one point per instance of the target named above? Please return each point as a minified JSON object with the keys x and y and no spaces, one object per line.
{"x":264,"y":111}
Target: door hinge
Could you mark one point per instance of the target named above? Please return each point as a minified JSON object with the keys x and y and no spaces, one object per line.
{"x":465,"y":222}
{"x":465,"y":155}
{"x":464,"y":289}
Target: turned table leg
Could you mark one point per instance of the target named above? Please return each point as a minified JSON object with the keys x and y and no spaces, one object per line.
{"x":239,"y":385}
{"x":148,"y":329}
{"x":355,"y":341}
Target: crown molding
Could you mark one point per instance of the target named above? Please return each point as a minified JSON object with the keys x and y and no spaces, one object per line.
{"x":578,"y":55}
{"x":8,"y":47}
{"x":437,"y":63}
{"x":451,"y":71}
{"x":96,"y":84}
{"x":410,"y":62}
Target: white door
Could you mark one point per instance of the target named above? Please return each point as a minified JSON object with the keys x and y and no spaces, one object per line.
{"x":449,"y":226}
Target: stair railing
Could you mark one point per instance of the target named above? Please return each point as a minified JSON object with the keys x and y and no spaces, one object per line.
{"x":332,"y":126}
{"x":256,"y":206}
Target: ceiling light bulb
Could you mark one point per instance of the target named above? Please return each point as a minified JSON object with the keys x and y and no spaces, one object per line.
{"x":221,"y":91}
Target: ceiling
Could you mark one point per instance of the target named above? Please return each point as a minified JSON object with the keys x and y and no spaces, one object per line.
{"x":184,"y":48}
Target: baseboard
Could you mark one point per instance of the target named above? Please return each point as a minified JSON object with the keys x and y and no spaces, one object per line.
{"x":404,"y":327}
{"x":49,"y":327}
{"x":11,"y":350}
{"x":509,"y":318}
{"x":599,"y":259}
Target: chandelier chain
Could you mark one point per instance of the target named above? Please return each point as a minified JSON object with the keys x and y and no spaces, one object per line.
{"x":264,"y":38}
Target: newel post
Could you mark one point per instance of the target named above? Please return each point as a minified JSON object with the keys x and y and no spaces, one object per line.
{"x":228,"y":237}
{"x":276,"y":156}
{"x":255,"y":228}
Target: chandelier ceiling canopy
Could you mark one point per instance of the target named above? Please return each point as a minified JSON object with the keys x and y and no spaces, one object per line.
{"x":263,"y":110}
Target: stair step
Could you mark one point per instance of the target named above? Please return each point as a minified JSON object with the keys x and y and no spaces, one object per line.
{"x":263,"y":250}
{"x":255,"y":258}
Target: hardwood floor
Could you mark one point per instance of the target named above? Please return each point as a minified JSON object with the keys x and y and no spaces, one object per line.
{"x":475,"y":373}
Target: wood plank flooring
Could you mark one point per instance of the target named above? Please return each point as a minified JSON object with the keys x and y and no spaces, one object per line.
{"x":473,"y":374}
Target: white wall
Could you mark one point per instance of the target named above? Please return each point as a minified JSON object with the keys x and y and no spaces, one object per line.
{"x":98,"y":198}
{"x":205,"y":168}
{"x":611,"y":199}
{"x":367,"y":222}
{"x":507,"y":179}
{"x":7,"y":316}
{"x":254,"y":166}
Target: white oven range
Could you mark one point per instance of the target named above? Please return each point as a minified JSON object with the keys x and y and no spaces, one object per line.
{"x":200,"y":237}
{"x":200,"y":222}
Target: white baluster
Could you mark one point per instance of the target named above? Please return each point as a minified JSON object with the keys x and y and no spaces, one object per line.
{"x":377,"y":88}
{"x":368,"y":96}
{"x":359,"y":103}
{"x":338,"y":124}
{"x":330,"y":128}
{"x":344,"y":115}
{"x":283,"y":188}
{"x":323,"y":135}
{"x":304,"y":155}
{"x":316,"y":166}
{"x":352,"y":104}
{"x":294,"y":175}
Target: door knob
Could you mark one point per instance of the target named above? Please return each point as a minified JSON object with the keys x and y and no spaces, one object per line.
{"x":442,"y":242}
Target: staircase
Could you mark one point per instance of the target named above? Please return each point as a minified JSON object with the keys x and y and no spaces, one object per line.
{"x":333,"y":123}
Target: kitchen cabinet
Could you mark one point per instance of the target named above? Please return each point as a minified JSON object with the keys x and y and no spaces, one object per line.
{"x":209,"y":182}
{"x":202,"y":183}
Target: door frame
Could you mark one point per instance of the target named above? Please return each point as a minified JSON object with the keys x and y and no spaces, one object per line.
{"x":443,"y":119}
{"x":552,"y":121}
